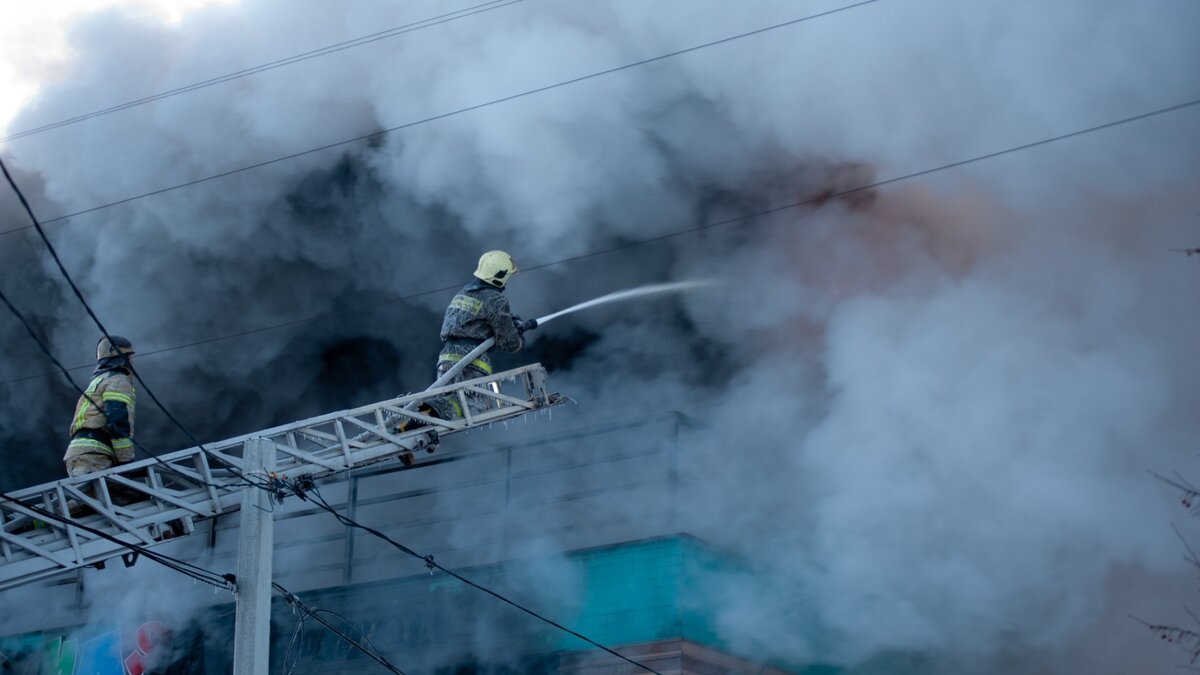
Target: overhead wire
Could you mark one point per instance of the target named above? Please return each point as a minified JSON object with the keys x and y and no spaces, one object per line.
{"x":823,"y":196}
{"x":452,"y":113}
{"x":293,"y":646}
{"x":104,"y":331}
{"x":309,"y":491}
{"x":318,"y":499}
{"x":50,"y":355}
{"x":294,"y":601}
{"x":279,"y":63}
{"x":226,"y":581}
{"x":815,"y":198}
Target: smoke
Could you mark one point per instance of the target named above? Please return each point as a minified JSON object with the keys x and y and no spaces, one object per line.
{"x":928,"y":406}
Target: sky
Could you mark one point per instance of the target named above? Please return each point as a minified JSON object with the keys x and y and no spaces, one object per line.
{"x":35,"y":50}
{"x":934,"y":377}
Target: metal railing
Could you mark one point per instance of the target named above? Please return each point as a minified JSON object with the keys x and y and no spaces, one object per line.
{"x":153,"y":500}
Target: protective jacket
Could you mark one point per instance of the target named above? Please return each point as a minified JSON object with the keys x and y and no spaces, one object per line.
{"x":479,"y":311}
{"x":106,"y":430}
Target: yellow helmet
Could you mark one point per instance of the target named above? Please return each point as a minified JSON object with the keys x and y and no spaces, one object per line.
{"x":119,"y":345}
{"x":496,"y":268}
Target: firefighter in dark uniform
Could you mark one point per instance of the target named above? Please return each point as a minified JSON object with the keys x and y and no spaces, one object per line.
{"x":478,"y":312}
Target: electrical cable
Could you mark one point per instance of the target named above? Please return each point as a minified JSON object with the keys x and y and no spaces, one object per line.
{"x":363,"y":637}
{"x":812,"y":199}
{"x":46,"y":350}
{"x":261,"y":329}
{"x":254,"y":70}
{"x":225,"y":581}
{"x":78,"y":294}
{"x":291,"y":599}
{"x":309,"y":491}
{"x":287,"y":655}
{"x":452,"y":113}
{"x":317,"y":499}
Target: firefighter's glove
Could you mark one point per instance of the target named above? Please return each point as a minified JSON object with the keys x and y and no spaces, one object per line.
{"x":523,"y":326}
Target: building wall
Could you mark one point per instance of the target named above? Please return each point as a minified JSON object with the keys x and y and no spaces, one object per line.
{"x":645,"y":597}
{"x":579,"y":525}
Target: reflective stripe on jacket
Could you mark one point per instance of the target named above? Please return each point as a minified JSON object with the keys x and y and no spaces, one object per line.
{"x":113,"y":386}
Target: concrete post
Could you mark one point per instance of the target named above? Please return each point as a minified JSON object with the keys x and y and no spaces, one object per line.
{"x":256,"y":538}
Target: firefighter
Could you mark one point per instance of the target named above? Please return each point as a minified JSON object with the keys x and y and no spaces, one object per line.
{"x":477,"y":312}
{"x":480,"y":311}
{"x":102,"y":436}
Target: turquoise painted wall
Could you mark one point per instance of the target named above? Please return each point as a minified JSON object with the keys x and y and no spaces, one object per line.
{"x":633,"y":592}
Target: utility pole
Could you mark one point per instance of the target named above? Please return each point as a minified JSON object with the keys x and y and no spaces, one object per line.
{"x":256,"y":539}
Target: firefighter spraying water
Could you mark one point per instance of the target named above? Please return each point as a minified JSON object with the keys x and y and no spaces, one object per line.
{"x":629,"y":294}
{"x":172,"y":492}
{"x":479,"y":318}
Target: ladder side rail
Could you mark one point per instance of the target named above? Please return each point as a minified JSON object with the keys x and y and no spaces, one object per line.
{"x":110,"y":517}
{"x":238,"y":441}
{"x":301,"y":456}
{"x":309,"y":446}
{"x":159,"y":495}
{"x":189,"y":486}
{"x":47,"y":565}
{"x":188,"y":453}
{"x":194,"y":467}
{"x":498,"y":397}
{"x":196,"y":456}
{"x":169,"y":458}
{"x":36,"y":549}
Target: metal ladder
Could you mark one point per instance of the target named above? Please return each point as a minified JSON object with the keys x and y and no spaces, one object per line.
{"x":161,"y":499}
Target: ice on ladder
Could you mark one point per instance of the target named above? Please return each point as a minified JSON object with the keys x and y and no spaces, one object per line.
{"x":150,"y":501}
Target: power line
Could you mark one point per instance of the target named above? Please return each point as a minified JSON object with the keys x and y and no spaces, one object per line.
{"x":322,"y":51}
{"x":226,"y":581}
{"x":262,"y":329}
{"x":317,"y":498}
{"x":78,"y":294}
{"x":429,"y":561}
{"x":291,"y":599}
{"x":452,"y":113}
{"x":811,"y":199}
{"x":308,"y":490}
{"x":46,"y":350}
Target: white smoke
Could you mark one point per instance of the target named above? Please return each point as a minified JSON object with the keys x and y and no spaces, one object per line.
{"x":929,"y":407}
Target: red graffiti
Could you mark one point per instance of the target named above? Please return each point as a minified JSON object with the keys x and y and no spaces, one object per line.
{"x":150,"y":636}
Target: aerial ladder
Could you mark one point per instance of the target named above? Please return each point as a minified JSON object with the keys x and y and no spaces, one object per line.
{"x":154,"y":500}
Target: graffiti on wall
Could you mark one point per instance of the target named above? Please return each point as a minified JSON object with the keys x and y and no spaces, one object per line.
{"x":86,"y":652}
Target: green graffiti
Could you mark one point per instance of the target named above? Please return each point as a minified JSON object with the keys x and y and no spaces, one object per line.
{"x":60,"y":657}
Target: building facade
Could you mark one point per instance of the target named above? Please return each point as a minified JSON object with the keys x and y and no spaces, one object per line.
{"x":580,"y":526}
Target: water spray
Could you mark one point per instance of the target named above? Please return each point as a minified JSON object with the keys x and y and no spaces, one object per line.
{"x":641,"y":291}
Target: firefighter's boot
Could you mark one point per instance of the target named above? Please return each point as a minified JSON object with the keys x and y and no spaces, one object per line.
{"x":400,"y":424}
